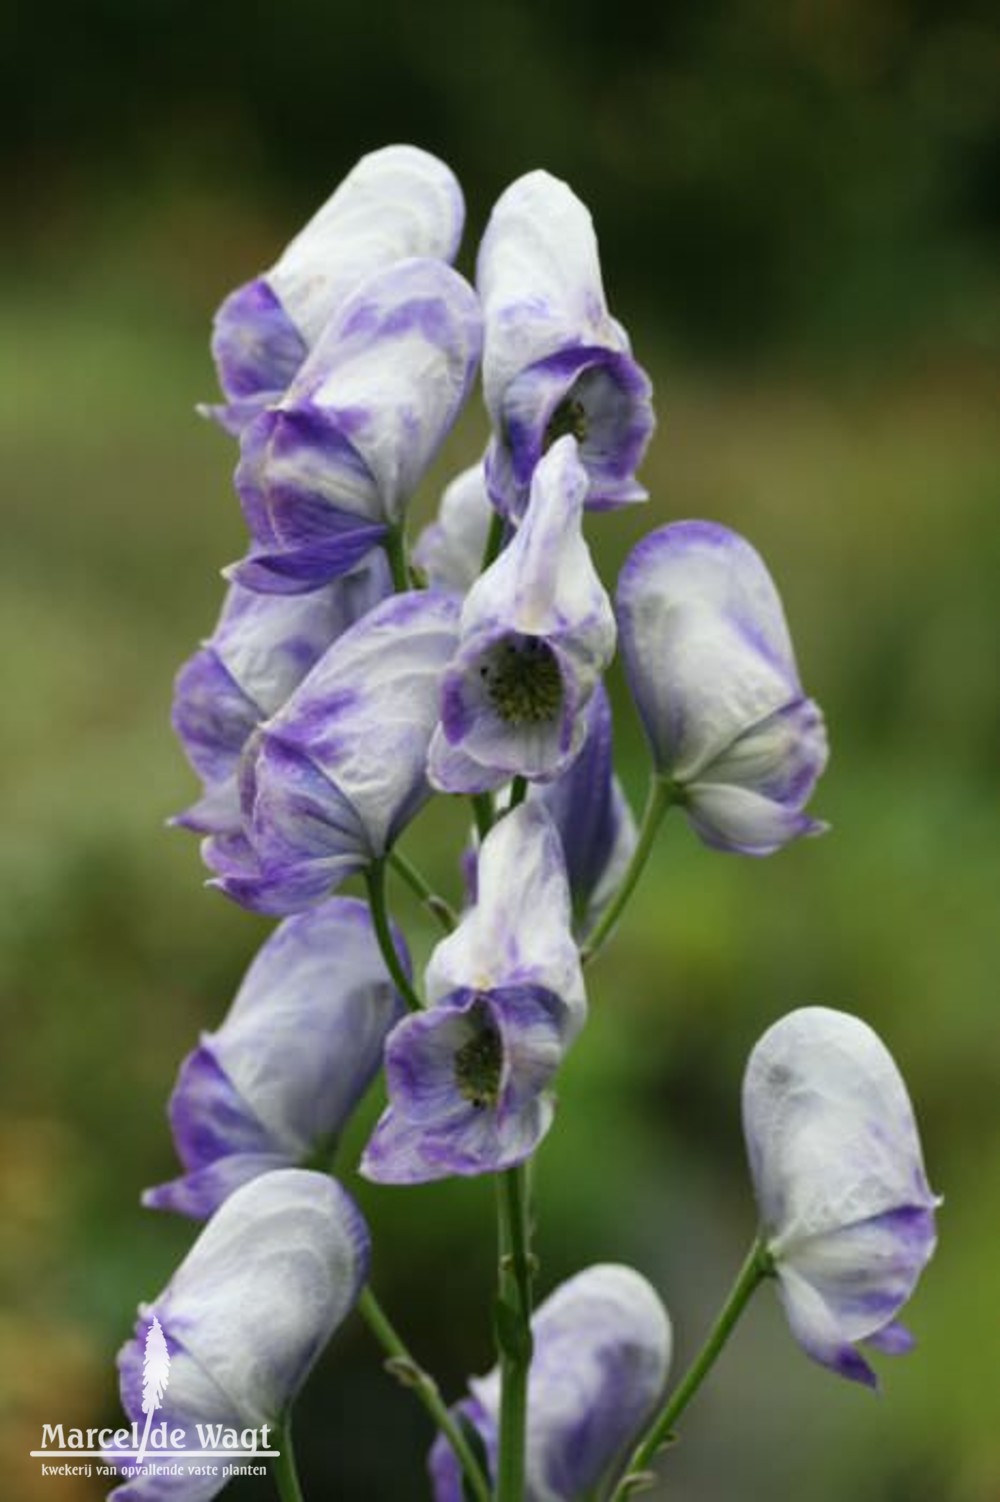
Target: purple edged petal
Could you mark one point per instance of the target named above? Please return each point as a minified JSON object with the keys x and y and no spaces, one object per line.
{"x":537,"y":632}
{"x":554,"y":360}
{"x":317,"y":805}
{"x":466,"y":1084}
{"x":712,"y":671}
{"x":519,"y":931}
{"x":600,"y":397}
{"x":365,"y":416}
{"x":602,"y":1349}
{"x":254,"y":1302}
{"x":838,"y":1172}
{"x":261,"y":649}
{"x":395,"y":203}
{"x":538,"y":275}
{"x":299,"y":1047}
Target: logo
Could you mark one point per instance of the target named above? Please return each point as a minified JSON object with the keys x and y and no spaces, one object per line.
{"x":210,"y":1449}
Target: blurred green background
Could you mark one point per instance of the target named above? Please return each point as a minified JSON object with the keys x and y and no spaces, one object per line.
{"x":799,"y":215}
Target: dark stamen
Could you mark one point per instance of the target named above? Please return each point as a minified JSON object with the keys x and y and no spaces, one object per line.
{"x":523,"y":681}
{"x":569,"y":417}
{"x":478,"y":1066}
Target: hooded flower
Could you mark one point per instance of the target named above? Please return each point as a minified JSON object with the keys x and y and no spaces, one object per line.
{"x":330,"y":781}
{"x":395,"y":203}
{"x":254,"y":1302}
{"x":846,"y":1212}
{"x":537,"y":631}
{"x":468,"y":1078}
{"x":328,"y":470}
{"x":261,"y":649}
{"x":299,"y":1047}
{"x":595,"y":823}
{"x":450,"y":550}
{"x":711,"y":668}
{"x":602,"y":1348}
{"x":554,"y":360}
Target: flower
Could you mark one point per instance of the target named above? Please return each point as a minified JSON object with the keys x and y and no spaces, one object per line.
{"x":536,"y":633}
{"x":602,"y":1348}
{"x":271,"y":1276}
{"x":394,"y":203}
{"x":595,"y":823}
{"x":331,"y":780}
{"x":468,"y":1078}
{"x":554,"y":360}
{"x":261,"y":649}
{"x":299,"y":1047}
{"x":846,"y":1212}
{"x":328,"y":470}
{"x":712,"y":671}
{"x":450,"y":550}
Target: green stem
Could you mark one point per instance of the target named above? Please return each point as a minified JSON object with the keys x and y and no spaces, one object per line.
{"x":494,"y":538}
{"x":513,"y":1329}
{"x":375,"y":881}
{"x":436,"y":905}
{"x":482,"y":810}
{"x":395,"y":551}
{"x":518,"y":793}
{"x":755,"y":1269}
{"x":286,"y":1477}
{"x":658,"y":799}
{"x":402,"y":1365}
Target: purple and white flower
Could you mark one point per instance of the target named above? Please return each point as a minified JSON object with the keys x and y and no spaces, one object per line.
{"x":537,"y":632}
{"x":327,"y":471}
{"x":450,"y":549}
{"x":394,"y":204}
{"x":255,"y":1301}
{"x":846,"y":1212}
{"x":595,"y":823}
{"x":332,"y":779}
{"x":297,"y":1050}
{"x":554,"y":360}
{"x":602,"y":1349}
{"x":711,"y":668}
{"x":261,"y":649}
{"x":469,"y":1077}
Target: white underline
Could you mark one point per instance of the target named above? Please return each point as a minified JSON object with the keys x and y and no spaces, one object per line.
{"x":113,"y":1455}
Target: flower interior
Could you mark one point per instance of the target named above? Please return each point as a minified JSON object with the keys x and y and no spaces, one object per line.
{"x":523,"y":681}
